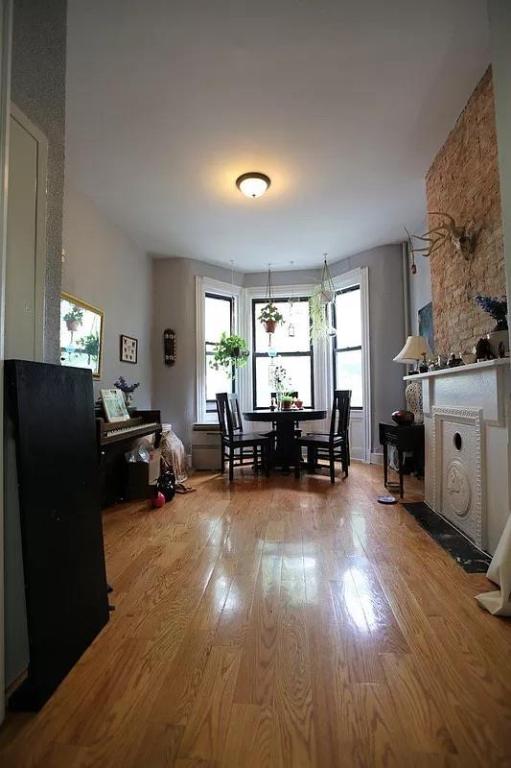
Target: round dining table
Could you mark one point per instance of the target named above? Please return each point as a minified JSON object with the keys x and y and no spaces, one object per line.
{"x":284,"y":453}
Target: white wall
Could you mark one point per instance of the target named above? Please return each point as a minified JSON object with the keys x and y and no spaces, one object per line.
{"x":104,"y":268}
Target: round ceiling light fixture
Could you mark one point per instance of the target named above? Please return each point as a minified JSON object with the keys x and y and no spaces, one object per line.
{"x":253,"y":184}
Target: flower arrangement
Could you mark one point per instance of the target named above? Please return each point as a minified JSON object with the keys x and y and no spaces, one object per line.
{"x":270,"y":317}
{"x":126,"y":388}
{"x":231,"y":353}
{"x":496,"y":308}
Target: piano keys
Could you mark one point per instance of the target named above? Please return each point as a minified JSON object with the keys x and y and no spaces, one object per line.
{"x":114,"y":439}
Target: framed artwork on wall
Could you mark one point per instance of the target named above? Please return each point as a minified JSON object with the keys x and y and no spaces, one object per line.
{"x":426,"y":324}
{"x":81,"y":334}
{"x":128,"y":349}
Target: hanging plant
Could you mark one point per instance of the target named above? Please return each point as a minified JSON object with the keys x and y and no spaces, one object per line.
{"x":231,"y":353}
{"x":270,"y":317}
{"x":318,"y":315}
{"x":326,"y":290}
{"x":322,"y":297}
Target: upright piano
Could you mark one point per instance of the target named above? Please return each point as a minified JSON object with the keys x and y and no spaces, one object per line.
{"x":114,"y":439}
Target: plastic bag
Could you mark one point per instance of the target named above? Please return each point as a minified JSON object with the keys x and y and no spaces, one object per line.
{"x":138,"y":454}
{"x":173,"y":452}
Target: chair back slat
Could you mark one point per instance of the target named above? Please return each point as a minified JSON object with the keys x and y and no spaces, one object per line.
{"x":340,"y":420}
{"x":229,"y":414}
{"x":235,"y":412}
{"x":222,"y":407}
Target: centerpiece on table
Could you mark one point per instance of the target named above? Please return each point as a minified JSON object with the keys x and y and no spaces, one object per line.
{"x":127,"y":389}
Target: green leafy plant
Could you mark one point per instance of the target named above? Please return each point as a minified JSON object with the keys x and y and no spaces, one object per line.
{"x":286,"y":401}
{"x":231,"y":353}
{"x":73,"y":318}
{"x":90,"y":346}
{"x":270,"y":316}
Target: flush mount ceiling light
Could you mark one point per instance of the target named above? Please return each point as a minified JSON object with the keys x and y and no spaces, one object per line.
{"x":253,"y":184}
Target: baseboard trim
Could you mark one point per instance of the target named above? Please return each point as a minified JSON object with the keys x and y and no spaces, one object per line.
{"x":377,"y":458}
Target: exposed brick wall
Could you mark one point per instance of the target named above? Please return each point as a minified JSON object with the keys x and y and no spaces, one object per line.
{"x":464,"y":182}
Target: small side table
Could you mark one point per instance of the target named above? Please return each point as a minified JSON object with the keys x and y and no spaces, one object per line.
{"x":409,"y":438}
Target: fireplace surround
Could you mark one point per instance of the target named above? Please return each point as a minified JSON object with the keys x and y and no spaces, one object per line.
{"x":466,"y":413}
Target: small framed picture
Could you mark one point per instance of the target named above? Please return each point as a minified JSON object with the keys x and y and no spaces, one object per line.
{"x":128,"y":349}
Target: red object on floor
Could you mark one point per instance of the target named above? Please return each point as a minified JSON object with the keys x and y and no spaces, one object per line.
{"x":158,"y":500}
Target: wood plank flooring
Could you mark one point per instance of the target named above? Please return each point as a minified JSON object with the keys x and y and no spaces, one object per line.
{"x":279,"y":623}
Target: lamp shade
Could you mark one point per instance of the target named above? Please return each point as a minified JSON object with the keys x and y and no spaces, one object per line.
{"x":415,"y":347}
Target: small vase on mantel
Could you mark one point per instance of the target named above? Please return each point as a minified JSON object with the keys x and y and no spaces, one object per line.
{"x":499,"y":343}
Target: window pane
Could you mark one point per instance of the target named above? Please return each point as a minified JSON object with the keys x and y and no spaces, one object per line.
{"x":217,"y":318}
{"x":299,"y":374}
{"x":347,"y":315}
{"x":348,"y":374}
{"x":296,"y":317}
{"x":216,"y":381}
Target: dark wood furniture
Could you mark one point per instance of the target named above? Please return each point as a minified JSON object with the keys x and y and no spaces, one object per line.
{"x":284,"y":453}
{"x":239,"y":448}
{"x":406,"y":438}
{"x":334,"y":445}
{"x":114,"y":439}
{"x":50,"y":408}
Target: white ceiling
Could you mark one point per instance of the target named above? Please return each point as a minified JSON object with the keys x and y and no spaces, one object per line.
{"x":342,"y":103}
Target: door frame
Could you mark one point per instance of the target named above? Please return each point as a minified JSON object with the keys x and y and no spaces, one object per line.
{"x":41,"y":234}
{"x":5,"y":88}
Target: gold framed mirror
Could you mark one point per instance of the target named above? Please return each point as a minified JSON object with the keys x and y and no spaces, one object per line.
{"x":81,"y":334}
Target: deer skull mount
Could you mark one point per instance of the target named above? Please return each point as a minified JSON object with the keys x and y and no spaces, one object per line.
{"x":463,"y":238}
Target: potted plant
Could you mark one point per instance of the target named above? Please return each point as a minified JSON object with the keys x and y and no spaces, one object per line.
{"x":286,"y":401}
{"x":74,"y":318}
{"x":270,"y":317}
{"x":231,"y":353}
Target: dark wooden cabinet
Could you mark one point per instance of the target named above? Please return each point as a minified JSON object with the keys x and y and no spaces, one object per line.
{"x":52,"y":411}
{"x":405,"y":438}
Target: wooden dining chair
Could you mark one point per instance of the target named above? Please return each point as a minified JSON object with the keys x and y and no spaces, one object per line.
{"x":239,"y":448}
{"x":332,"y":446}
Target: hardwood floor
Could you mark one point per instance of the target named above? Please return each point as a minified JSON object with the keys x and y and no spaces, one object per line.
{"x":279,"y":623}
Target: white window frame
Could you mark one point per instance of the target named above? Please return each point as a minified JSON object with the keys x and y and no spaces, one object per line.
{"x":204,"y":285}
{"x":359,"y":276}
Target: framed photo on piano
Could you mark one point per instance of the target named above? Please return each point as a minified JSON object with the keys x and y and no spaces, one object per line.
{"x":114,"y":405}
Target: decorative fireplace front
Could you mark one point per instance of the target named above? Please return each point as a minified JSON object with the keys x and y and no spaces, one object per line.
{"x":459,"y":471}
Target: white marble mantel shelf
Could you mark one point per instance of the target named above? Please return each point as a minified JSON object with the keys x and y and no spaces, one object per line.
{"x":484,"y":364}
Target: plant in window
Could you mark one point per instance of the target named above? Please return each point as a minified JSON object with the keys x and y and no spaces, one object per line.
{"x":90,"y":346}
{"x":73,"y":318}
{"x":286,"y":401}
{"x":319,"y":302}
{"x":270,"y":317}
{"x":231,"y":353}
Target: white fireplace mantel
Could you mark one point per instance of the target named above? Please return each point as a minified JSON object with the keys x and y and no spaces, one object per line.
{"x":469,"y":485}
